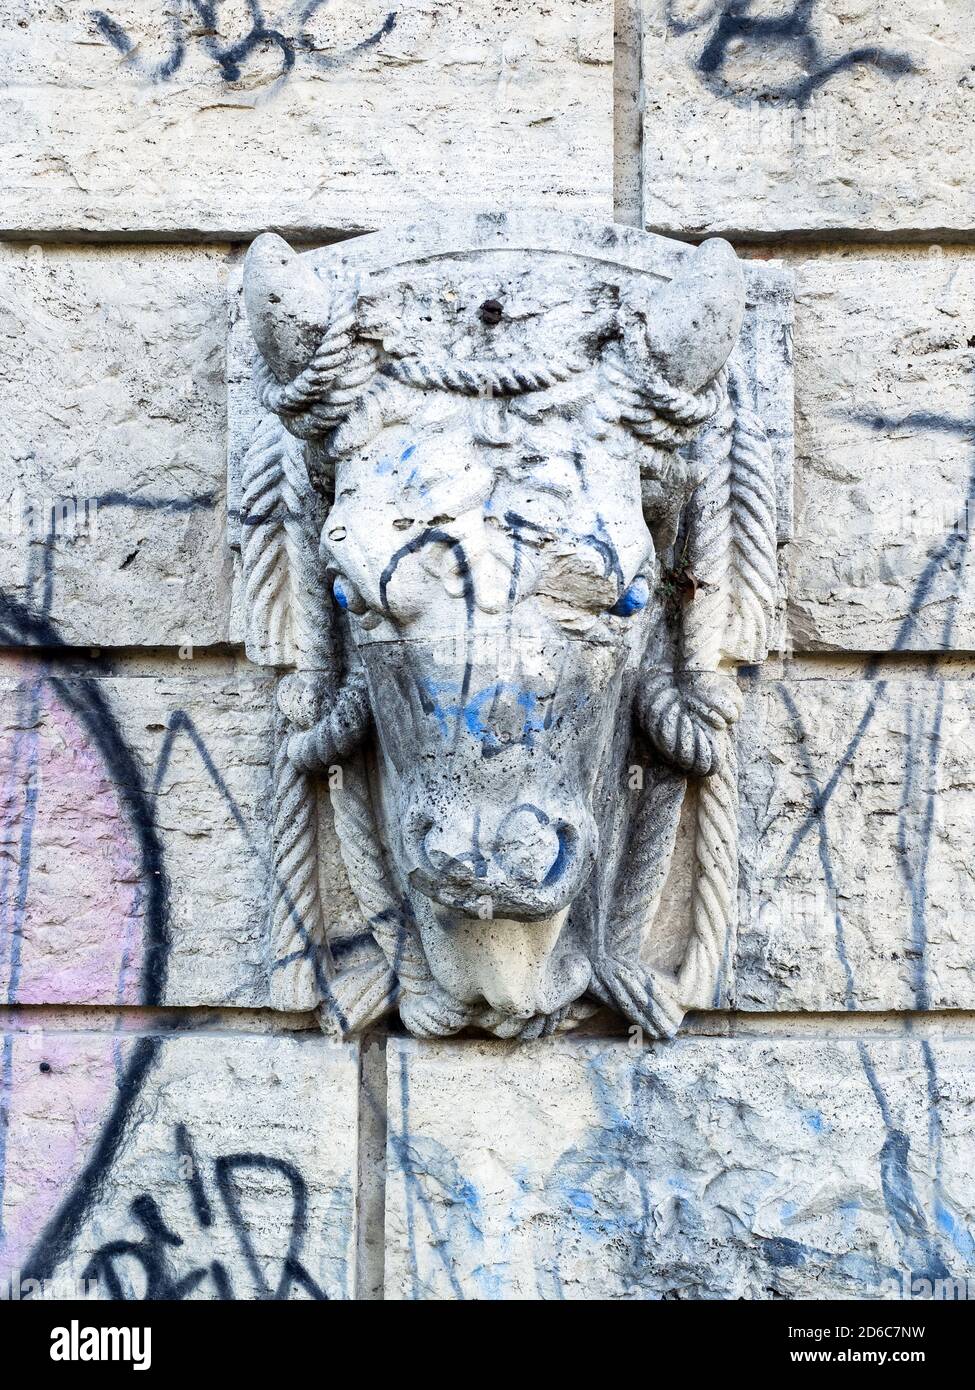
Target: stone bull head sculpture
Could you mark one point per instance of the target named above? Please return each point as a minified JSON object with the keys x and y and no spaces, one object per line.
{"x":504,"y":512}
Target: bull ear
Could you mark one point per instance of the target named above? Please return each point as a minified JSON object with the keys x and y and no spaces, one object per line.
{"x":688,"y":327}
{"x":288,"y":306}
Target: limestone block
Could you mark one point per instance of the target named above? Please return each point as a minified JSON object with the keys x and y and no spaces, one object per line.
{"x":832,"y":116}
{"x":179,"y":1167}
{"x":885,"y":492}
{"x":704,"y":1168}
{"x":627,"y":118}
{"x":111,"y":477}
{"x":857,"y":821}
{"x":138,"y":116}
{"x":133,"y":824}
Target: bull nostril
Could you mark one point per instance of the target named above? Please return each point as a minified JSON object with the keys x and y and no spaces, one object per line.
{"x":529,"y":846}
{"x":449,"y":861}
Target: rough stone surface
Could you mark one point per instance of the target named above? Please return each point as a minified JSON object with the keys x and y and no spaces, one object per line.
{"x":111,"y":476}
{"x":627,"y":117}
{"x":886,"y":478}
{"x":244,"y":1147}
{"x":701,"y":1169}
{"x":122,"y":119}
{"x":779,"y":117}
{"x":117,"y":892}
{"x":858,"y":816}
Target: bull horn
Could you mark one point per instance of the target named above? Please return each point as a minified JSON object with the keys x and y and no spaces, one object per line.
{"x":288,"y":306}
{"x":691,"y":324}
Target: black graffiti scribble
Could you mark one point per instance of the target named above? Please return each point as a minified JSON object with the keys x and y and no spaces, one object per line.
{"x":153,"y":1251}
{"x":200,"y":22}
{"x":791,"y":35}
{"x":228,"y":57}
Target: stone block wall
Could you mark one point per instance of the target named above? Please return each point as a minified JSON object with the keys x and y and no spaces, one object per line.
{"x":814,"y":1136}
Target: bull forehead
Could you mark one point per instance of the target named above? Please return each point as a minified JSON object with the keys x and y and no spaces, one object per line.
{"x":487,"y":517}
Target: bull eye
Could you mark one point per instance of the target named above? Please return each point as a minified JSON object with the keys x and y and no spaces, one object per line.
{"x":633,"y":599}
{"x":347,"y":596}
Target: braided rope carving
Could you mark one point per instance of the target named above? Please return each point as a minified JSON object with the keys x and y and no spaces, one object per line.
{"x":753,"y":538}
{"x":309,"y":604}
{"x":689,"y":717}
{"x":262,"y":546}
{"x":359,"y":997}
{"x":270,"y":561}
{"x":654,"y":1001}
{"x":296,"y":910}
{"x":285,"y":580}
{"x":338,"y":733}
{"x":483,"y":378}
{"x":279,"y":556}
{"x":714,"y":909}
{"x":705,"y":619}
{"x":646,"y":997}
{"x":680,"y":716}
{"x":715,"y":891}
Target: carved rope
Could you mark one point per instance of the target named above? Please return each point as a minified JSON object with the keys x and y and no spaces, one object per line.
{"x":690,"y":719}
{"x":754,"y":537}
{"x":714,"y":911}
{"x":297,"y":927}
{"x":262,"y":543}
{"x":476,"y":378}
{"x":338,"y":733}
{"x":283,"y":585}
{"x":705,"y":619}
{"x":335,"y":379}
{"x":656,"y":412}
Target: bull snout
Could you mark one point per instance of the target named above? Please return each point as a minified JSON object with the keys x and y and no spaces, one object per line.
{"x":530,"y":865}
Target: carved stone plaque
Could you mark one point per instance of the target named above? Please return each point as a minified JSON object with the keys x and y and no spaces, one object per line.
{"x":507,"y":492}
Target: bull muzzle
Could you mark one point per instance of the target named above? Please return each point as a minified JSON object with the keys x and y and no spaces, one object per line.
{"x":529,"y":866}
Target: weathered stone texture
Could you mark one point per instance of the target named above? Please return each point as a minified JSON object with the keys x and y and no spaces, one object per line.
{"x":339,"y":117}
{"x":112,"y":370}
{"x":858,"y":816}
{"x":886,"y":475}
{"x":121,"y":895}
{"x":627,"y":115}
{"x":773,"y":118}
{"x":695,"y":1169}
{"x":244,"y":1147}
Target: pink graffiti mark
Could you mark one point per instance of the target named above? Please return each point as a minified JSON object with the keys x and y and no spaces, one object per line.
{"x":70,"y":933}
{"x":81,"y":924}
{"x":62,"y":1089}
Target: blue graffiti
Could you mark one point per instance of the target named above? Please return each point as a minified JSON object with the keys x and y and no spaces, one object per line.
{"x":445,"y":701}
